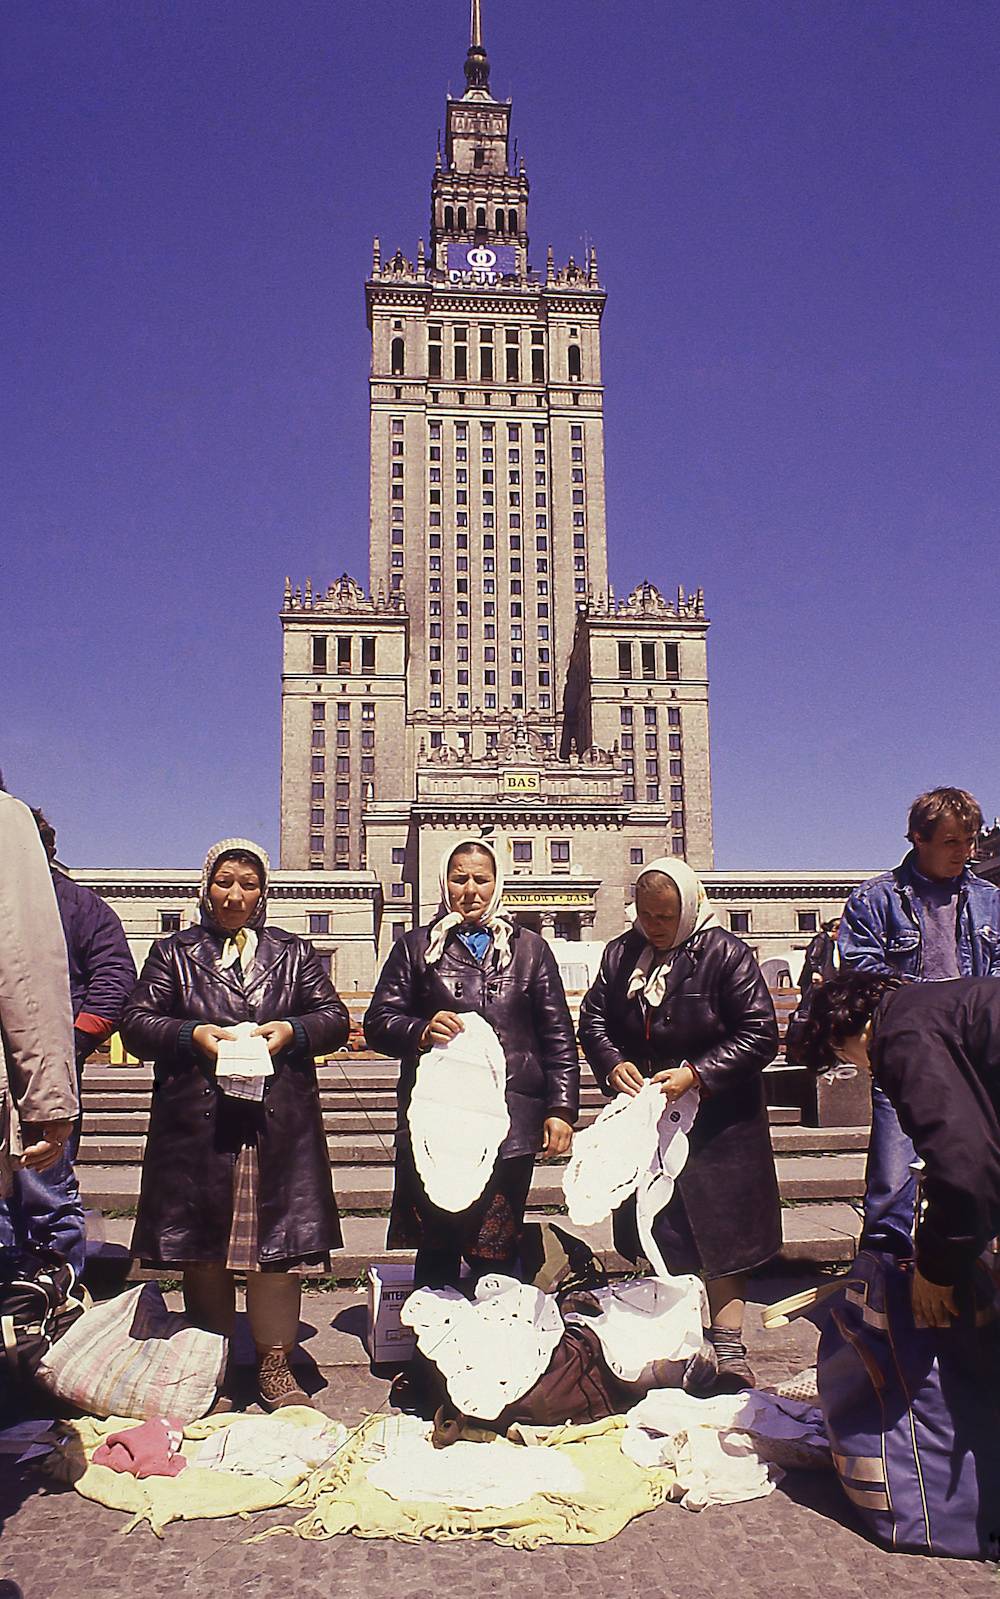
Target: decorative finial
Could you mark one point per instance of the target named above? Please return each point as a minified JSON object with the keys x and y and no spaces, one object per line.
{"x":376,"y":253}
{"x":550,"y":265}
{"x":477,"y":66}
{"x":420,"y":256}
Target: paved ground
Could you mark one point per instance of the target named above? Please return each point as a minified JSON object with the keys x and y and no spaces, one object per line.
{"x":802,"y":1541}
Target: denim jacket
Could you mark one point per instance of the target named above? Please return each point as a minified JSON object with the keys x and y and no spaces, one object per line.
{"x":882,"y":927}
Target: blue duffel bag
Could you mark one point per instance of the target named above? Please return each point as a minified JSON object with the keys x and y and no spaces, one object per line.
{"x":913,"y":1414}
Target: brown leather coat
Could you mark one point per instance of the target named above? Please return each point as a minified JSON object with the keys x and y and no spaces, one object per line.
{"x":717,"y":1015}
{"x":195,"y":1131}
{"x":525,"y":1005}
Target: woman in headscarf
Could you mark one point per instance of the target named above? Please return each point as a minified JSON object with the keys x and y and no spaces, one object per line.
{"x":681,"y":1002}
{"x":474,"y":958}
{"x":237,"y":1185}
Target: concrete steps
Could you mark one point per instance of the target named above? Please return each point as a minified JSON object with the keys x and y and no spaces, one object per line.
{"x":820,"y":1170}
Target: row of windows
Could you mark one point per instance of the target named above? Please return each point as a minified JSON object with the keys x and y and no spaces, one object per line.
{"x":653,"y":662}
{"x":347,"y":655}
{"x":649,"y":715}
{"x":504,"y":217}
{"x":742,"y":921}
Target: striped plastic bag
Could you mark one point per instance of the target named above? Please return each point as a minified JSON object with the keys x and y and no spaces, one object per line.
{"x":131,"y":1356}
{"x":913,"y":1414}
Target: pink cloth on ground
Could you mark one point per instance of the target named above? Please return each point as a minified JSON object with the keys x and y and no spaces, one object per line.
{"x":149,"y":1450}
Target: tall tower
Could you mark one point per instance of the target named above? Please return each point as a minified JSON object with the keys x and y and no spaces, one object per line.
{"x":490,"y":678}
{"x":487,"y":437}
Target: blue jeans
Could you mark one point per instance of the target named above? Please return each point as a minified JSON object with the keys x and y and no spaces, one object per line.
{"x":890,"y":1185}
{"x":45,"y":1208}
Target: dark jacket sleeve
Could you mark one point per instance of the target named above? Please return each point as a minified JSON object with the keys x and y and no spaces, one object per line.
{"x":392,"y":1022}
{"x":319,"y":1009}
{"x":106,"y":961}
{"x":556,"y":1040}
{"x":150,"y":1026}
{"x":944,"y":1108}
{"x":602,"y":1054}
{"x":745,"y":1008}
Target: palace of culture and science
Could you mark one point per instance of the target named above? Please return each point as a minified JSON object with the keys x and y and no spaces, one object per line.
{"x":490,"y":680}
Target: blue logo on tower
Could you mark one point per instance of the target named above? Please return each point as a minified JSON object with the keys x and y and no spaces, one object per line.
{"x":481,"y":263}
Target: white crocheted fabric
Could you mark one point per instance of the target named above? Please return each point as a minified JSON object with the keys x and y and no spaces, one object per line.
{"x":486,"y":1476}
{"x":458,"y":1114}
{"x":489,"y":1350}
{"x":646,"y":1320}
{"x":638,"y":1144}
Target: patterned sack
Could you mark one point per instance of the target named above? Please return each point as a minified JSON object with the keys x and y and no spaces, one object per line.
{"x":913,"y":1414}
{"x":131,"y":1356}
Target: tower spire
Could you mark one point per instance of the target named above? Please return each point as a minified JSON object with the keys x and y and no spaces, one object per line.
{"x":477,"y":66}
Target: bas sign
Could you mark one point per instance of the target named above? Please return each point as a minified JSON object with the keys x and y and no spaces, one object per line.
{"x":521,"y":782}
{"x":481,"y":263}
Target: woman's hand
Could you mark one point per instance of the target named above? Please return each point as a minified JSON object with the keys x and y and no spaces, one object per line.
{"x":278,"y":1034}
{"x":933,"y":1303}
{"x":675,"y":1081}
{"x":441,"y":1029}
{"x":207,"y":1038}
{"x":46,"y":1146}
{"x":557,"y":1136}
{"x":626,"y":1078}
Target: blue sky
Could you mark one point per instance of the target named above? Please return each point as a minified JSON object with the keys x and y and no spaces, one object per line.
{"x":796,"y":212}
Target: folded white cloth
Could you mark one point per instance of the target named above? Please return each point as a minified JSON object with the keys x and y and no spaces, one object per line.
{"x":719,"y":1449}
{"x":270,"y":1446}
{"x":484,"y":1476}
{"x":645,"y":1321}
{"x":244,"y":1063}
{"x":458,"y":1114}
{"x":489,"y":1350}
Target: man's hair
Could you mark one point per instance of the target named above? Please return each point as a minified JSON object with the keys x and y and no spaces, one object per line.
{"x":928,"y":809}
{"x":838,"y":1010}
{"x":46,"y":831}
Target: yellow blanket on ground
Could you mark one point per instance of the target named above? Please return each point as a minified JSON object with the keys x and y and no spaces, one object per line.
{"x":196,"y":1493}
{"x":614,"y":1491}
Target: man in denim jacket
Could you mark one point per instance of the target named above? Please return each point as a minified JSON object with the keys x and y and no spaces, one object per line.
{"x":929,"y":919}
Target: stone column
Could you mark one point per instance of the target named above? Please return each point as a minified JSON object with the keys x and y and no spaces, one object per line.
{"x":548,"y":919}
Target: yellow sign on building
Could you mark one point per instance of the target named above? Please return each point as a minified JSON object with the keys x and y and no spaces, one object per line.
{"x":520,"y":782}
{"x":548,"y":899}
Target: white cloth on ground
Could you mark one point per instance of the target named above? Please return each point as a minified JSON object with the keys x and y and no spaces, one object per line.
{"x":268,"y":1446}
{"x":647,"y":1320}
{"x":490,"y":1350}
{"x":458,"y":1114}
{"x":481,"y":1476}
{"x":638,"y":1144}
{"x":720,"y":1449}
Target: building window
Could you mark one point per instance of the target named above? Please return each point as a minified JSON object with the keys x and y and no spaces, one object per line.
{"x":317,"y":818}
{"x":368,"y":710}
{"x":673,"y":716}
{"x":368,"y":655}
{"x":648,"y":652}
{"x":652,"y":793}
{"x":739,"y":921}
{"x":316,"y":844}
{"x":559,"y":850}
{"x":574,"y":363}
{"x":398,"y":931}
{"x":808,"y":921}
{"x":522,"y":851}
{"x":398,"y":358}
{"x":635,"y":857}
{"x":319,"y":652}
{"x":399,"y":856}
{"x":319,"y":711}
{"x":625,"y":715}
{"x":677,"y":845}
{"x":397,"y":890}
{"x":318,"y":737}
{"x":170,"y":921}
{"x":673,"y":657}
{"x":343,"y":710}
{"x":628,"y":791}
{"x":319,"y":763}
{"x":624,"y":658}
{"x":319,"y":921}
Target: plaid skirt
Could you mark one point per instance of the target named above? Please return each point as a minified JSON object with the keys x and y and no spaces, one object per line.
{"x":489,"y":1230}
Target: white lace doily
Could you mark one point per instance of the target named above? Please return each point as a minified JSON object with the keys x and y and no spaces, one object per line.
{"x":458,"y":1114}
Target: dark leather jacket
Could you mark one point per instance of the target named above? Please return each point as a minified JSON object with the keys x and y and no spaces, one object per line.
{"x":524,"y":1004}
{"x":195,"y":1131}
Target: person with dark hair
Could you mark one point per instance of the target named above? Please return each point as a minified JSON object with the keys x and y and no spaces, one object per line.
{"x":934,"y":1050}
{"x":822,"y":958}
{"x":473,"y":958}
{"x":680,"y":1001}
{"x":45,"y":1206}
{"x":237,"y":1184}
{"x":928,"y":919}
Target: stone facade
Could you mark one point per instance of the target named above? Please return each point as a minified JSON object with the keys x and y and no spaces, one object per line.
{"x":490,"y":680}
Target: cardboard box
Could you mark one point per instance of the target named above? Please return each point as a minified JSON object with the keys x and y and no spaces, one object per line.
{"x":389,"y":1287}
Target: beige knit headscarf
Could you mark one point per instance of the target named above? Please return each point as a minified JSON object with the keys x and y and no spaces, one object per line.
{"x":650,"y":972}
{"x":499,"y":925}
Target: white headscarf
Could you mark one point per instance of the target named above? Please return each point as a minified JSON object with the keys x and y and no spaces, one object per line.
{"x":242,"y":948}
{"x":493,"y":918}
{"x":649,"y":974}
